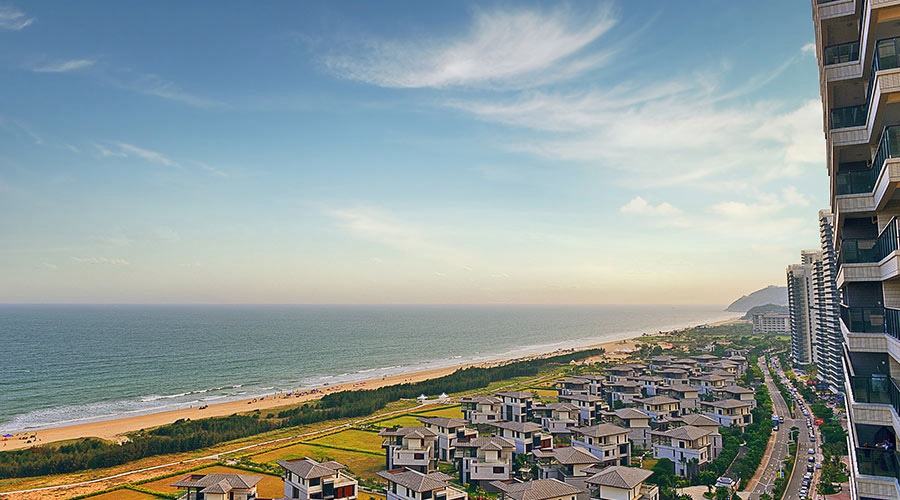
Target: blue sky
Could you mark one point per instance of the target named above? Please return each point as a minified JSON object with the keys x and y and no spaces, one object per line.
{"x":406,"y":152}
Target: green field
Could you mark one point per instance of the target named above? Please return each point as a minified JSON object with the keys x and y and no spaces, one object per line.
{"x":353,"y":439}
{"x":364,"y":465}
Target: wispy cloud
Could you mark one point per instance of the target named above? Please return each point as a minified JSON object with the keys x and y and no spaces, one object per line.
{"x":153,"y":85}
{"x":503,"y":47}
{"x":105,"y":261}
{"x":13,"y":19}
{"x":146,"y":154}
{"x":63,"y":66}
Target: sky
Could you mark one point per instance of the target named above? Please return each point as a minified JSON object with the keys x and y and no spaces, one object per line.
{"x":406,"y":152}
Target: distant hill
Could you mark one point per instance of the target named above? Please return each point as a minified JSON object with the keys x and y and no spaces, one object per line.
{"x":765,"y":309}
{"x":771,"y":294}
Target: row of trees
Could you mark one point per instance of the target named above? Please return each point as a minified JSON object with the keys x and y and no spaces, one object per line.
{"x":189,"y":435}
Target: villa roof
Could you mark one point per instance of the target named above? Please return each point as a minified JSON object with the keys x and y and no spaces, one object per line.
{"x":711,"y":377}
{"x":559,"y":406}
{"x":541,"y":489}
{"x":600,"y":430}
{"x":415,"y":480}
{"x":223,"y":482}
{"x":705,"y":357}
{"x":629,"y":413}
{"x":414,"y":432}
{"x":683,"y":387}
{"x":619,"y":476}
{"x":736,"y":389}
{"x":572,"y":380}
{"x":568,"y":455}
{"x":443,"y":422}
{"x":517,"y":426}
{"x":625,"y":383}
{"x":621,"y":368}
{"x":727,"y":403}
{"x":657,"y":400}
{"x":698,"y":420}
{"x":687,"y":432}
{"x":308,"y":468}
{"x":486,"y":442}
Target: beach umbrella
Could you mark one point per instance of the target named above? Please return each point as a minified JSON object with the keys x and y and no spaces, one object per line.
{"x":7,"y":435}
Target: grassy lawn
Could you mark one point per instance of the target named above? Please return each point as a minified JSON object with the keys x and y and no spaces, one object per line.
{"x":402,"y":421}
{"x":365,"y":495}
{"x":449,"y":412}
{"x":548,"y":395}
{"x":360,"y":464}
{"x":649,"y":463}
{"x":126,"y":495}
{"x":269,"y":487}
{"x":353,"y":438}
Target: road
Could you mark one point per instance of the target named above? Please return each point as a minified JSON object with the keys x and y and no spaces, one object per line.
{"x":793,"y":488}
{"x":777,"y":452}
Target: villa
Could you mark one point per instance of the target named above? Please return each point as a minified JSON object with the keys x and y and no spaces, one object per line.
{"x":737,"y":392}
{"x":541,"y":489}
{"x":409,"y":447}
{"x":659,"y":406}
{"x":308,"y":479}
{"x":573,"y":385}
{"x":637,"y":423}
{"x":482,"y":409}
{"x":706,"y":423}
{"x":650,"y":384}
{"x":448,"y":430}
{"x":590,"y":407}
{"x":673,"y":375}
{"x":688,"y":395}
{"x":709,"y":383}
{"x":219,"y":486}
{"x":607,"y":442}
{"x":527,"y":436}
{"x":516,"y":406}
{"x":622,"y":483}
{"x":619,"y":372}
{"x":623,"y":390}
{"x":557,"y":418}
{"x":407,"y":484}
{"x":484,"y":459}
{"x":728,"y":412}
{"x":687,"y":446}
{"x":571,"y":465}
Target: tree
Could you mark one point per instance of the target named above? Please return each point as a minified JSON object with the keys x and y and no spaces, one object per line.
{"x":707,"y":478}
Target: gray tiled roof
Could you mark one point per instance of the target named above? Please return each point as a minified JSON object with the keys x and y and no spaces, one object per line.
{"x":618,"y":476}
{"x":308,"y":468}
{"x":541,"y":489}
{"x":415,"y":480}
{"x":600,"y":430}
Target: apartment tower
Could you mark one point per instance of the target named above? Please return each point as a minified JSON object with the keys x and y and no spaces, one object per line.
{"x":858,"y":51}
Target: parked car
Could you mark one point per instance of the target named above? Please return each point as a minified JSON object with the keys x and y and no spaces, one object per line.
{"x":811,"y":451}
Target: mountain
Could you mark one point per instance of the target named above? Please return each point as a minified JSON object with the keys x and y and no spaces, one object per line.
{"x":771,"y":294}
{"x":765,"y":309}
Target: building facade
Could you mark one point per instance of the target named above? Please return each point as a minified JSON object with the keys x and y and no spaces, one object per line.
{"x":857,"y":46}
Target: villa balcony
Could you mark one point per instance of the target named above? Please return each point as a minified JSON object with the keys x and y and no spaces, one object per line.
{"x":849,"y":116}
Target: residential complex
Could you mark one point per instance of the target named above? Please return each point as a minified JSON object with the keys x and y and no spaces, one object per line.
{"x":771,"y":322}
{"x":857,"y":44}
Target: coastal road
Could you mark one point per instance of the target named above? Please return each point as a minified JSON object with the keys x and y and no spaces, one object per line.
{"x":778,"y":450}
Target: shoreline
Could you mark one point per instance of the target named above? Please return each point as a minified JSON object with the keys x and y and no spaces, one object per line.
{"x":115,"y":427}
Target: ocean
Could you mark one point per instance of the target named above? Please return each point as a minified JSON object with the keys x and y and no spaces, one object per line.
{"x":64,"y":364}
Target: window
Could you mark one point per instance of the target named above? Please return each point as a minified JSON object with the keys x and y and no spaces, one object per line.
{"x":419,"y":456}
{"x":295,"y":492}
{"x":499,"y":470}
{"x":314,"y":481}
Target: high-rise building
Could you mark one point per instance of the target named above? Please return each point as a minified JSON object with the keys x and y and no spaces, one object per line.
{"x":858,"y":51}
{"x":799,"y":281}
{"x":826,"y":304}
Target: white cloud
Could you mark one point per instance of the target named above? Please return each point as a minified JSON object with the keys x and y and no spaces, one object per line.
{"x":640,"y":206}
{"x":502,"y":47}
{"x":130,"y":150}
{"x":13,"y":19}
{"x":102,"y":261}
{"x":809,"y":48}
{"x":64,"y":66}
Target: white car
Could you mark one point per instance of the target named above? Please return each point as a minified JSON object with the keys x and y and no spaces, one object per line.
{"x":811,"y":451}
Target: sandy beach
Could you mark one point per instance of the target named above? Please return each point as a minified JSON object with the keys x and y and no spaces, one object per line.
{"x":116,"y":428}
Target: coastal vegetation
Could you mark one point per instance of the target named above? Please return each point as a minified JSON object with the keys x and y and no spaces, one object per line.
{"x":188,"y":435}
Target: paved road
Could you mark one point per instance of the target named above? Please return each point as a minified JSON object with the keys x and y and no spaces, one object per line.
{"x":793,"y":488}
{"x":771,"y":463}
